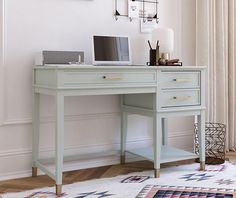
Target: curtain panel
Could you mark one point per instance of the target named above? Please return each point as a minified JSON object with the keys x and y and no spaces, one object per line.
{"x":216,"y":48}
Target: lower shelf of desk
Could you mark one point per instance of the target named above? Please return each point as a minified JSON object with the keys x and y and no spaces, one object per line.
{"x":168,"y":154}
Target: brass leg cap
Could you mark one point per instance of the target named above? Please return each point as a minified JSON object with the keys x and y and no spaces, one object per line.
{"x":34,"y":171}
{"x":157,"y":173}
{"x":202,"y":166}
{"x":122,"y":159}
{"x":58,"y":189}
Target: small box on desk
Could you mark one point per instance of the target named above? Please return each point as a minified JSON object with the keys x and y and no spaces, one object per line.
{"x":59,"y":57}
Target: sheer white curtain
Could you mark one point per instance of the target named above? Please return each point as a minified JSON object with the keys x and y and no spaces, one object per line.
{"x":216,"y":48}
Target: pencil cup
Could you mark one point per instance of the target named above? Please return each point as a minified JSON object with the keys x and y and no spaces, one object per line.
{"x":153,"y":57}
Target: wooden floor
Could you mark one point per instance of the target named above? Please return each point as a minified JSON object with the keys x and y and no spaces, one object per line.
{"x":29,"y":183}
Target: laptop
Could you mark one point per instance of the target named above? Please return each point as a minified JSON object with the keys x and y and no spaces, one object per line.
{"x":111,"y":50}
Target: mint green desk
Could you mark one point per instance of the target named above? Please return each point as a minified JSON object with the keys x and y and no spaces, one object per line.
{"x":157,"y":92}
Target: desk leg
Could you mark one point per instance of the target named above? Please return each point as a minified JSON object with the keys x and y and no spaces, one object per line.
{"x":124,"y":117}
{"x":201,"y":139}
{"x":164,"y":122}
{"x":35,"y":135}
{"x":157,"y":143}
{"x":59,"y":141}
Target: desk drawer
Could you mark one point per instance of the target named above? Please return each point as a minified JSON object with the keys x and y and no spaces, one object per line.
{"x":107,"y":78}
{"x":174,"y":80}
{"x":179,"y":98}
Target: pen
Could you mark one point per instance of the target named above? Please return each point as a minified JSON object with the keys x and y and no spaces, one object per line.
{"x":149,"y":45}
{"x":157,"y":44}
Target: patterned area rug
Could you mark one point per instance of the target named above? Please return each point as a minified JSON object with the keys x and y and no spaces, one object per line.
{"x":184,"y":181}
{"x":152,"y":191}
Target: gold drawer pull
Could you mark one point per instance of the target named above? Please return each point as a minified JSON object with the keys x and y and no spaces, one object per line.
{"x":112,"y":78}
{"x":182,"y":80}
{"x":182,"y":97}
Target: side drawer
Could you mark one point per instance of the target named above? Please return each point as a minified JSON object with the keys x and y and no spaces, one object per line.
{"x":174,"y":80}
{"x":170,"y":98}
{"x":106,"y":78}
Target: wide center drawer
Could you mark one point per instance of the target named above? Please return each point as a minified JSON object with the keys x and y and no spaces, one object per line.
{"x":170,"y":98}
{"x":175,"y":80}
{"x":107,"y":78}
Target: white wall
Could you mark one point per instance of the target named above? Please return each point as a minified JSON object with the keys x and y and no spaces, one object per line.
{"x":189,"y":32}
{"x":92,"y":123}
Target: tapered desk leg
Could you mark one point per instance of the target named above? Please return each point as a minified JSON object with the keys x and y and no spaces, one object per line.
{"x":34,"y":171}
{"x":157,"y":142}
{"x":201,"y":139}
{"x":35,"y":135}
{"x":124,"y":117}
{"x":58,"y":189}
{"x":164,"y":122}
{"x":59,"y":141}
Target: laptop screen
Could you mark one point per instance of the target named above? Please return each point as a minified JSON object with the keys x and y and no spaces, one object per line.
{"x":111,"y":49}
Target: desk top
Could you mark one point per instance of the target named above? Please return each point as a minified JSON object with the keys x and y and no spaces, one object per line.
{"x":56,"y":66}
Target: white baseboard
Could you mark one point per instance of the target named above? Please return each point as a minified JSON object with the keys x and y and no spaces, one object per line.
{"x":69,"y":166}
{"x":22,"y":157}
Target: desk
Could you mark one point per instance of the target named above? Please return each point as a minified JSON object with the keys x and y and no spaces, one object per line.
{"x":158,"y":92}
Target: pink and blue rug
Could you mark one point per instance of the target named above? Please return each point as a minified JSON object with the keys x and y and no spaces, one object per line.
{"x":186,"y":181}
{"x":155,"y":191}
